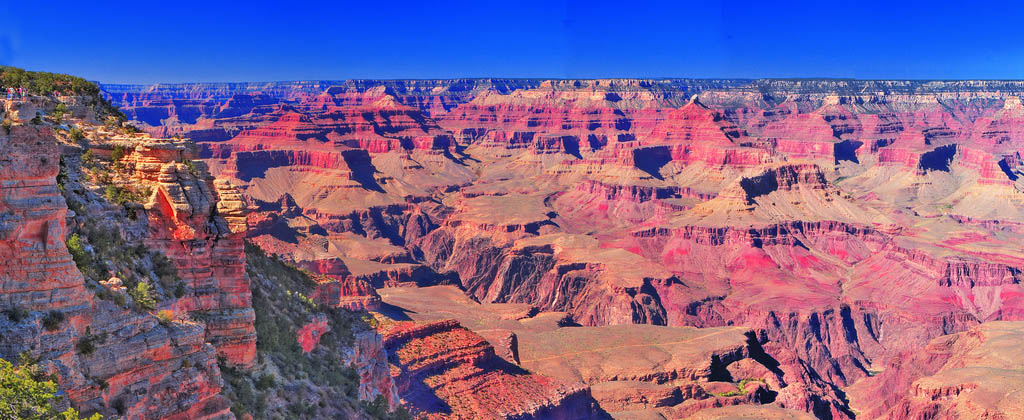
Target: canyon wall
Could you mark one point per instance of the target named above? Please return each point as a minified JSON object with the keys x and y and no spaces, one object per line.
{"x":109,"y":359}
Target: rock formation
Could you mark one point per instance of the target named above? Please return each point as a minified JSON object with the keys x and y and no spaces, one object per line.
{"x":199,"y":224}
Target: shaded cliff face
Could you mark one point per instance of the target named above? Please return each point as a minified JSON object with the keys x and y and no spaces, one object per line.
{"x":844,"y":222}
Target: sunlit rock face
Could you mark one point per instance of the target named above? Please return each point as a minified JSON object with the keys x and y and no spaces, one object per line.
{"x":200,"y":223}
{"x":843,"y":223}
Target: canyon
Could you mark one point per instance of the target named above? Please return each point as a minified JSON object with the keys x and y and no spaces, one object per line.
{"x":838,"y":225}
{"x":522,"y":248}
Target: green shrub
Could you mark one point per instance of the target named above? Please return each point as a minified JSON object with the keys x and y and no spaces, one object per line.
{"x":36,"y":120}
{"x":89,"y":159}
{"x":180,"y":290}
{"x":62,"y":176}
{"x":119,"y":299}
{"x":77,"y":250}
{"x":76,"y":135}
{"x":118,"y":153}
{"x":142,"y":295}
{"x":167,"y":273}
{"x":59,"y":112}
{"x":25,"y":358}
{"x":7,"y":126}
{"x":191,"y":166}
{"x":114,"y":193}
{"x":378,"y":409}
{"x":86,"y":345}
{"x":120,"y":195}
{"x":165,"y":316}
{"x":85,"y":262}
{"x":25,"y":395}
{"x":265,"y":382}
{"x":17,"y":314}
{"x":52,"y":320}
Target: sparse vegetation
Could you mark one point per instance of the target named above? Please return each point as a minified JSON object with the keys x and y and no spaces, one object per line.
{"x":17,"y":314}
{"x":88,"y":160}
{"x":112,"y":123}
{"x":76,"y":134}
{"x":142,"y":295}
{"x":100,"y":250}
{"x":110,"y":253}
{"x":87,"y":342}
{"x":88,"y":265}
{"x":165,"y":316}
{"x":378,"y":409}
{"x":741,"y":388}
{"x":281,"y":301}
{"x":167,"y":274}
{"x":104,"y":174}
{"x":191,"y":166}
{"x":120,"y":195}
{"x":53,"y":320}
{"x":118,"y":153}
{"x":59,"y":112}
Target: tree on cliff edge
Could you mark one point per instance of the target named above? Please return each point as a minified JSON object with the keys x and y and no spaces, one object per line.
{"x":25,"y":395}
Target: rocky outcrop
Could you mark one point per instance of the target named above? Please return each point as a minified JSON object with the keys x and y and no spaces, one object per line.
{"x":38,"y":272}
{"x":310,"y":333}
{"x":200,"y":224}
{"x":446,"y":370}
{"x":370,"y":358}
{"x":349,"y":293}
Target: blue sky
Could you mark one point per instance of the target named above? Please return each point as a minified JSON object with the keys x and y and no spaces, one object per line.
{"x":159,"y":41}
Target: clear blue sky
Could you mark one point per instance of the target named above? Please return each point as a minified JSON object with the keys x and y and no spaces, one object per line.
{"x":172,"y":41}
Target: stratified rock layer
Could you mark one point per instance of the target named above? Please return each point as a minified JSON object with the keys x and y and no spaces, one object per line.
{"x":199,"y":224}
{"x":446,"y":371}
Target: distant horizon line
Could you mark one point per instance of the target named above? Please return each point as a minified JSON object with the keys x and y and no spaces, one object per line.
{"x":738,"y":79}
